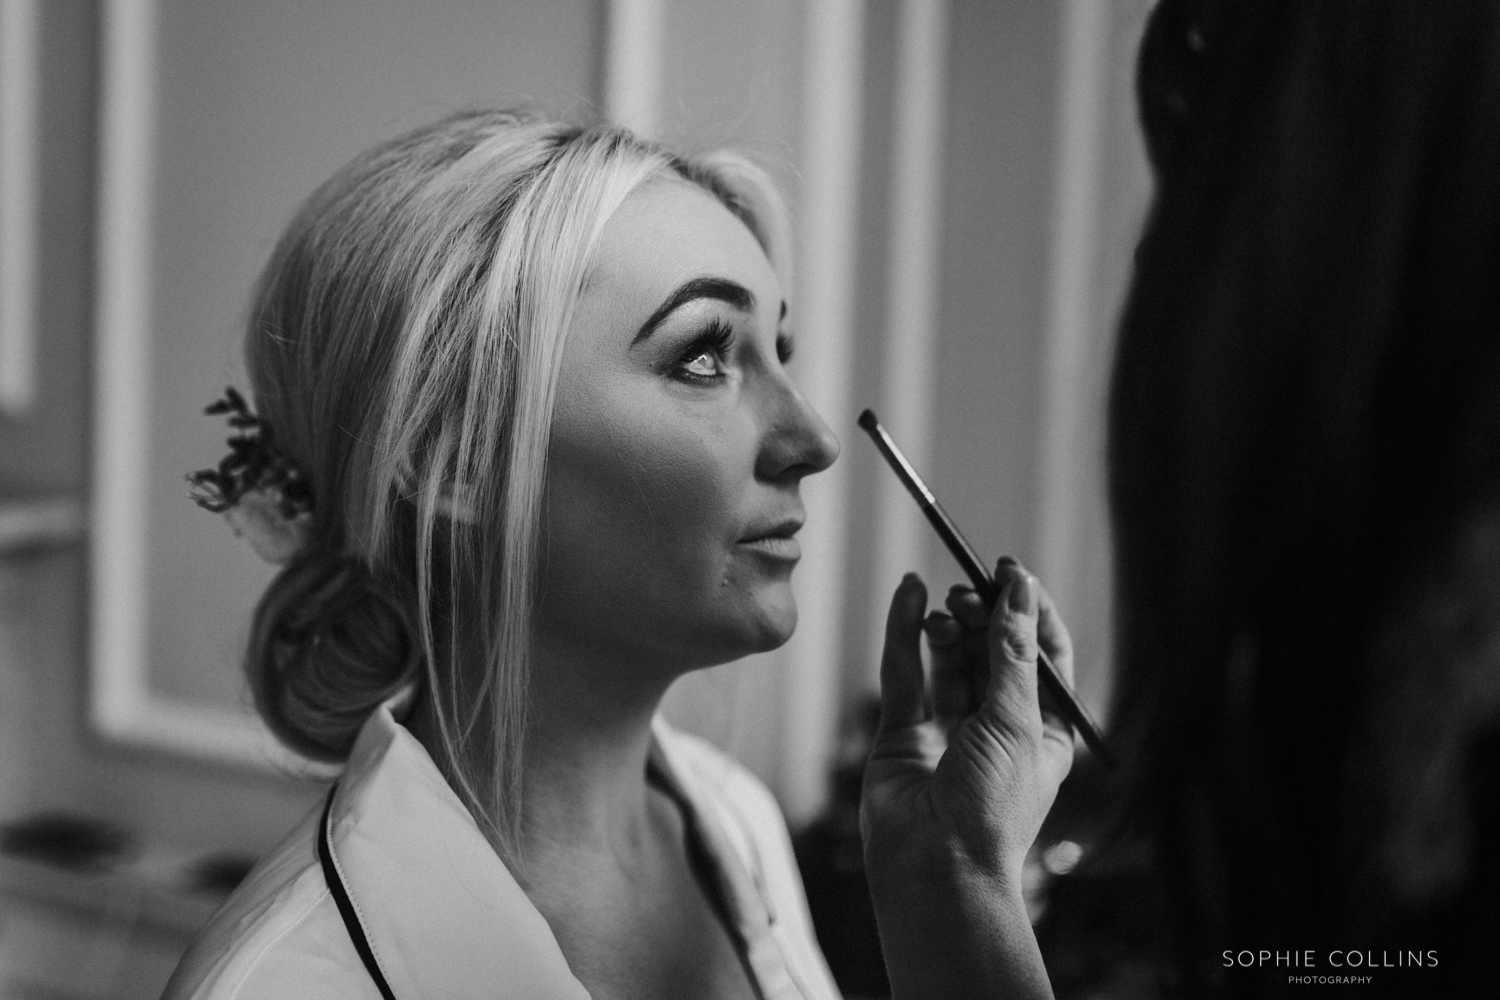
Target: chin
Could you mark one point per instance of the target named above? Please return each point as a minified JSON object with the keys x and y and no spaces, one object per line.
{"x":755,"y":620}
{"x":777,"y":622}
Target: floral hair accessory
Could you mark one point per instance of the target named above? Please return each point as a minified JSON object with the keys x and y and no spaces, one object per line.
{"x":261,"y":494}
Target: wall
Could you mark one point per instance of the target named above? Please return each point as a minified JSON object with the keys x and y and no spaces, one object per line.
{"x":1030,"y":266}
{"x":239,"y":143}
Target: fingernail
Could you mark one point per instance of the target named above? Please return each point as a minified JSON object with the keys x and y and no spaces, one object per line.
{"x":911,"y":589}
{"x":937,"y":626}
{"x":1023,"y":594}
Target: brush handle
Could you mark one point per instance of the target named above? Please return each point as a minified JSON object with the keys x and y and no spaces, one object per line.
{"x":1047,"y":673}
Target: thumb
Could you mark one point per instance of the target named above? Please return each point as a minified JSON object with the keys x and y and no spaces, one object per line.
{"x":1013,"y":650}
{"x":902,"y":701}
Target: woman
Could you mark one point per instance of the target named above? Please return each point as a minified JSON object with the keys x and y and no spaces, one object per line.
{"x":535,"y":455}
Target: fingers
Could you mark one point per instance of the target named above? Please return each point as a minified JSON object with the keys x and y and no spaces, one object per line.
{"x":1013,"y":647}
{"x":901,"y":687}
{"x":948,"y":641}
{"x":1024,"y":618}
{"x":966,"y":606}
{"x":941,"y":630}
{"x":1053,"y":636}
{"x":979,"y":657}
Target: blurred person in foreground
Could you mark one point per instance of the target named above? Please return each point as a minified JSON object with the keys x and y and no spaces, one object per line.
{"x":1304,"y":458}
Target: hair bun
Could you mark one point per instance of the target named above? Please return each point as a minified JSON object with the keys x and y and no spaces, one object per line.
{"x":327,"y":646}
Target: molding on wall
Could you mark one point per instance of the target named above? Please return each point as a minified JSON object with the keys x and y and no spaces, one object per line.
{"x":633,"y":63}
{"x":832,"y":57}
{"x":911,"y":332}
{"x":122,"y":705}
{"x":19,"y":190}
{"x":1072,"y":333}
{"x":122,"y":383}
{"x":27,"y":525}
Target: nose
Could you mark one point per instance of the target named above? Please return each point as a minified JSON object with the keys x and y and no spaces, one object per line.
{"x":796,"y":442}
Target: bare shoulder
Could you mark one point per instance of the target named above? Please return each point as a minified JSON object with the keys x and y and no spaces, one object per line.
{"x":279,"y":935}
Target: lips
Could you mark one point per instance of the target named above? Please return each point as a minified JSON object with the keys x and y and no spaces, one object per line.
{"x":777,"y":541}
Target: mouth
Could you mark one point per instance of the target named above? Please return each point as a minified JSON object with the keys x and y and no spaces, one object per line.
{"x":777,"y":541}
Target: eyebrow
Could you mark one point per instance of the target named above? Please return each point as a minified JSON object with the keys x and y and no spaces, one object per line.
{"x":732,"y":292}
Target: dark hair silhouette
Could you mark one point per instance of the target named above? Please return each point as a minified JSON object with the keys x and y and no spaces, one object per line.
{"x":1304,"y":463}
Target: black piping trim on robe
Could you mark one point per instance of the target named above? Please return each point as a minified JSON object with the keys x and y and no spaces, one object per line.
{"x":346,"y":905}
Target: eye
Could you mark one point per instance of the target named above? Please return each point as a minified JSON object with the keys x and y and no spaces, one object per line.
{"x":705,"y":365}
{"x":702,"y":361}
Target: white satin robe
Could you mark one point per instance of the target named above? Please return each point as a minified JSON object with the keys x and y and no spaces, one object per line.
{"x":441,"y":913}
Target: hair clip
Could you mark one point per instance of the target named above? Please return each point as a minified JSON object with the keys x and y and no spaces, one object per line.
{"x":261,"y":494}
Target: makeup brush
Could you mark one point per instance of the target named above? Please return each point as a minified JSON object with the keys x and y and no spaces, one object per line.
{"x":1072,"y":709}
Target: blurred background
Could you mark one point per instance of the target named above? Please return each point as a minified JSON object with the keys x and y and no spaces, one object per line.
{"x":967,"y":183}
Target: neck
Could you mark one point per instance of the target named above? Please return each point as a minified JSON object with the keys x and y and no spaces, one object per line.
{"x":587,"y":741}
{"x":588,"y":737}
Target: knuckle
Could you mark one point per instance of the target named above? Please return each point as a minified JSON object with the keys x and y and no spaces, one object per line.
{"x":1016,"y":642}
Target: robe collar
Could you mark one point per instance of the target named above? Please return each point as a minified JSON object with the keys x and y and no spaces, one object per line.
{"x":441,"y":913}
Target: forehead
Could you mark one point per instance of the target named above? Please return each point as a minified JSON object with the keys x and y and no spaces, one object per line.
{"x":669,"y":231}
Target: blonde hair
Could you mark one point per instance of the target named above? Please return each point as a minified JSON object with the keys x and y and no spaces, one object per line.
{"x":404,"y":347}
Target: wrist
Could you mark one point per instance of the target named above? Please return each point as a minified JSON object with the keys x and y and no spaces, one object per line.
{"x":961,"y":939}
{"x":943,"y":868}
{"x":951,"y":898}
{"x":954,"y":926}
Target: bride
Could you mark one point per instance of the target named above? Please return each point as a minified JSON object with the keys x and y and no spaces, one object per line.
{"x":527,"y":447}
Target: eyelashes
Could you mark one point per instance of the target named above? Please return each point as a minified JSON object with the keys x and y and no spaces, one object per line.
{"x":703,"y":360}
{"x":713,"y":343}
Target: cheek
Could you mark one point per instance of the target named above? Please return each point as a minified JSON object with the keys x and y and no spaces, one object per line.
{"x":640,"y":511}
